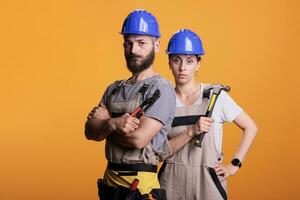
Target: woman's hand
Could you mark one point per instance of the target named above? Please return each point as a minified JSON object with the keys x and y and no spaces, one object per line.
{"x":203,"y":125}
{"x":224,"y":171}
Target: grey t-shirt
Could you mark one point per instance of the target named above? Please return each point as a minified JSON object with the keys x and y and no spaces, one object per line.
{"x":225,"y":110}
{"x":162,"y":110}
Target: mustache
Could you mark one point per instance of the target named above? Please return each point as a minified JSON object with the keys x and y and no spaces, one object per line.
{"x":131,"y":56}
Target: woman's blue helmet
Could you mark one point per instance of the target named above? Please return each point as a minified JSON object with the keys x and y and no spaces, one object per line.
{"x":185,"y":41}
{"x":140,"y":22}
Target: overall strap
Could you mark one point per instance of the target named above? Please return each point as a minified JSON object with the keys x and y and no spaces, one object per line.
{"x":192,"y":119}
{"x":117,"y":89}
{"x":140,"y":94}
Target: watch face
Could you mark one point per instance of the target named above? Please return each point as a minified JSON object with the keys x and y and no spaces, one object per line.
{"x":236,"y":162}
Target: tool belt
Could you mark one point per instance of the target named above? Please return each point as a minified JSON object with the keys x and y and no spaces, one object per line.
{"x":107,"y":192}
{"x":137,"y":167}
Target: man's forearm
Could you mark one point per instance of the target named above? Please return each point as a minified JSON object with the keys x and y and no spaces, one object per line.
{"x":140,"y":137}
{"x":97,"y":129}
{"x":125,"y":140}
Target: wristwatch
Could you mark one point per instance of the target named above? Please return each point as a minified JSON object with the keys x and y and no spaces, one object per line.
{"x":236,"y":162}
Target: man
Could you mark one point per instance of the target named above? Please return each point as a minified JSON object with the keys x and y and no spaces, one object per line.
{"x":134,"y":145}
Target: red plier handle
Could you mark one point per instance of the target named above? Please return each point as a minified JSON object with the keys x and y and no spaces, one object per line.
{"x":145,"y":105}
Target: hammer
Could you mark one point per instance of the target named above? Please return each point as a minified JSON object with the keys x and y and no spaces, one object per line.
{"x":216,"y":92}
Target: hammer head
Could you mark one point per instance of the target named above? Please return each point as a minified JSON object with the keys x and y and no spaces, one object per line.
{"x":218,"y":88}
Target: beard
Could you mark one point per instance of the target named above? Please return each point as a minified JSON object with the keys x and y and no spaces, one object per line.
{"x":135,"y":67}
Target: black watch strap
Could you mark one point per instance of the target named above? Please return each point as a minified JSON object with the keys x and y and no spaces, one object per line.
{"x":236,"y":162}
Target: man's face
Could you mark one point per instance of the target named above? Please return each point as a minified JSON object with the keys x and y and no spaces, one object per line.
{"x":139,"y":52}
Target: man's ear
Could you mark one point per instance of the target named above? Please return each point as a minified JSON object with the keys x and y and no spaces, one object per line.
{"x":156,"y":45}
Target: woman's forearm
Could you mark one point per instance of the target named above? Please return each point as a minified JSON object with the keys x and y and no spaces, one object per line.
{"x":246,"y":142}
{"x":249,"y":132}
{"x":180,"y":140}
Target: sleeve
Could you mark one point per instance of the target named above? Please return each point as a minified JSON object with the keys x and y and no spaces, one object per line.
{"x":105,"y":96}
{"x":162,"y":110}
{"x":229,"y":108}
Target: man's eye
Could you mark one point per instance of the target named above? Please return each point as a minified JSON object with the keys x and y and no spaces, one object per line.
{"x":126,"y":44}
{"x":142,"y":43}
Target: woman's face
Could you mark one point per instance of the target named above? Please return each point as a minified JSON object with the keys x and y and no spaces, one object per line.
{"x":183,"y":67}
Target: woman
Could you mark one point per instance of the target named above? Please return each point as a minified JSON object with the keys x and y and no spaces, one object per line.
{"x":194,"y":172}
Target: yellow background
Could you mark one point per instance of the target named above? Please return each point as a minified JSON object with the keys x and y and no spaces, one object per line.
{"x":57,"y":57}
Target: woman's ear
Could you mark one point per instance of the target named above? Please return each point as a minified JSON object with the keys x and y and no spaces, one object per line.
{"x":198,"y":66}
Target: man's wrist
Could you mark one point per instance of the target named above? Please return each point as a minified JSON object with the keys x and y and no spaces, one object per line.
{"x":110,"y":125}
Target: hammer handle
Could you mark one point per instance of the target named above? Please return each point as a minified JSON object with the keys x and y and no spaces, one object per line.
{"x":214,"y":97}
{"x":199,"y":138}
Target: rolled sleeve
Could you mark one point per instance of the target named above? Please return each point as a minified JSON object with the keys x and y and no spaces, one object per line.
{"x":229,"y":108}
{"x":162,"y":110}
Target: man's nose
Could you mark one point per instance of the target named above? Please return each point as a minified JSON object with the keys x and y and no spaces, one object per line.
{"x":135,"y":49}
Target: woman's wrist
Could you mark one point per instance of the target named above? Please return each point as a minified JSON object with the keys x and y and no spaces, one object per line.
{"x":190,"y":132}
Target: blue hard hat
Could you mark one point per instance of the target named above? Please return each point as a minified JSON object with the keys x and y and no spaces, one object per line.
{"x":140,"y":22}
{"x":185,"y":41}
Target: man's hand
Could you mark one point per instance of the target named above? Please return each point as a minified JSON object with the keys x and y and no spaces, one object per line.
{"x":124,"y":124}
{"x":147,"y":128}
{"x":96,"y":126}
{"x":203,"y":125}
{"x":224,"y":171}
{"x":98,"y":112}
{"x":100,"y":125}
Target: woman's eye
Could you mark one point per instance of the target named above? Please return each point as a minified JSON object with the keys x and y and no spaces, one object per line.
{"x":176,"y":60}
{"x":189,"y":62}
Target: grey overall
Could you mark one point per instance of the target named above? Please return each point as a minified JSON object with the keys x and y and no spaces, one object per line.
{"x":189,"y":173}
